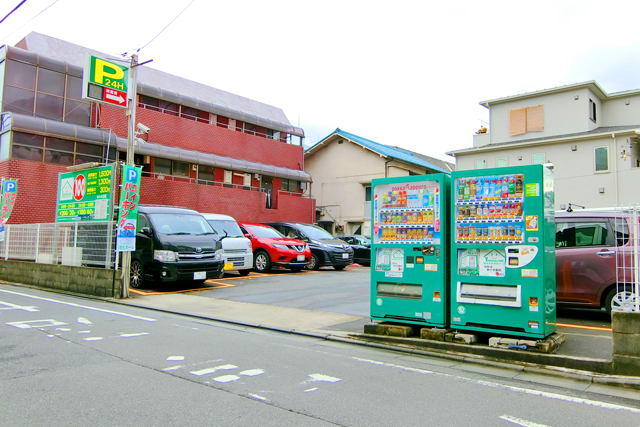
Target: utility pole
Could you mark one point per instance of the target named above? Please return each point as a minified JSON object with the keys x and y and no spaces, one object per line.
{"x":131,"y":114}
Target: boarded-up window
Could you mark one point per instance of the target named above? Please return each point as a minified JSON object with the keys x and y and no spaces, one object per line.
{"x":522,"y":120}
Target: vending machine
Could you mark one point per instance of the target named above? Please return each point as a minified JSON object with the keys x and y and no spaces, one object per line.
{"x":410,"y":233}
{"x":503,"y":251}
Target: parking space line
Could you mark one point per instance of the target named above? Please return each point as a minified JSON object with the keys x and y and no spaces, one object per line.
{"x":208,"y":288}
{"x":593,"y":328}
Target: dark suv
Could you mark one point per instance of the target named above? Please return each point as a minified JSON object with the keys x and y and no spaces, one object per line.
{"x":326,"y":250}
{"x":594,"y":261}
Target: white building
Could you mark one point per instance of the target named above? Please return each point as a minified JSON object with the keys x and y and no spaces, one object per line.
{"x":591,"y":137}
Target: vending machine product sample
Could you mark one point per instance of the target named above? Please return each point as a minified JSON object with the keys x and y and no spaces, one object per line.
{"x":502,"y":251}
{"x":409,"y":252}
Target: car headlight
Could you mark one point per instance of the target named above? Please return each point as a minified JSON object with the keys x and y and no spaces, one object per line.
{"x":164,"y":256}
{"x":280,"y":246}
{"x":306,"y":247}
{"x":249,"y":250}
{"x":218,"y":255}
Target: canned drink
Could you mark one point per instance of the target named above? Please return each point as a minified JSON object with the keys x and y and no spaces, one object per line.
{"x":498,"y":210}
{"x":518,"y":209}
{"x":512,"y":231}
{"x":498,"y":232}
{"x":466,"y":233}
{"x":518,"y":232}
{"x":505,"y":232}
{"x":492,"y":211}
{"x":512,"y":209}
{"x":473,"y":212}
{"x":505,"y":210}
{"x":472,"y":232}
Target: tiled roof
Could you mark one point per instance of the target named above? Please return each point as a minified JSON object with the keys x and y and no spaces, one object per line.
{"x":393,"y":152}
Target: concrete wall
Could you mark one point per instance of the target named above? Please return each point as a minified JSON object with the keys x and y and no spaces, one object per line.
{"x":83,"y":280}
{"x":616,"y":111}
{"x":626,"y":343}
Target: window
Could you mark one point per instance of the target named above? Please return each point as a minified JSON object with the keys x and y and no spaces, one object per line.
{"x":537,"y":159}
{"x":367,"y":195}
{"x":273,"y":134}
{"x":481,"y":164}
{"x":27,"y":146}
{"x":59,"y":151}
{"x":194,"y":114}
{"x":576,"y":234}
{"x":228,"y":177}
{"x":502,"y":162}
{"x":592,"y":110}
{"x":162,"y":166}
{"x":250,"y":128}
{"x":529,"y":119}
{"x":180,"y":168}
{"x":601,"y":155}
{"x":246,"y":180}
{"x":205,"y":173}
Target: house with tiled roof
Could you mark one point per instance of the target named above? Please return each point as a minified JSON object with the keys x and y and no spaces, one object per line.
{"x":343,"y":165}
{"x":591,"y":137}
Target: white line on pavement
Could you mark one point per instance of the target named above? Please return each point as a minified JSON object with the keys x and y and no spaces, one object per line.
{"x":523,"y":423}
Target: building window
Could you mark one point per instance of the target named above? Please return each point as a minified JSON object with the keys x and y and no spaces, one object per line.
{"x":502,"y":162}
{"x":246,"y":180}
{"x":367,"y":193}
{"x":537,"y":159}
{"x":592,"y":111}
{"x":205,"y":173}
{"x":194,"y":114}
{"x":228,"y":177}
{"x":27,"y":146}
{"x":273,"y":134}
{"x":481,"y":164}
{"x":523,"y":120}
{"x":601,"y":155}
{"x":162,"y":166}
{"x":180,"y":168}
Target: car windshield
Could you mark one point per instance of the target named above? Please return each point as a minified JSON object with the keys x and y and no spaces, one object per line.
{"x":317,"y":233}
{"x":226,"y":227}
{"x":268,"y":232}
{"x":171,"y":223}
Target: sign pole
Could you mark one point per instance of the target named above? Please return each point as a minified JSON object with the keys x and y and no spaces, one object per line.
{"x":131,"y":113}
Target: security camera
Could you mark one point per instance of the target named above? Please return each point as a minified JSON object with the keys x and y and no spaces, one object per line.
{"x":142,"y":128}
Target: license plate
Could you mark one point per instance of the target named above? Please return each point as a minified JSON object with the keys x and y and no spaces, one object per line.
{"x":300,"y":257}
{"x":199,"y":275}
{"x":228,"y":266}
{"x":345,"y":256}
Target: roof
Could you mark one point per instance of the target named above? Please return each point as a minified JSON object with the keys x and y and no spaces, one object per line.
{"x":388,"y":152}
{"x":166,"y":209}
{"x":163,"y":85}
{"x":591,"y":84}
{"x":593,"y":132}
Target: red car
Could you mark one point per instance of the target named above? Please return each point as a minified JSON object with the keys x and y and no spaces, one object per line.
{"x":272,"y":248}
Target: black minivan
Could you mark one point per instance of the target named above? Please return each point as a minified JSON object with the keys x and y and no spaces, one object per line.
{"x":326,"y":250}
{"x":174,"y":244}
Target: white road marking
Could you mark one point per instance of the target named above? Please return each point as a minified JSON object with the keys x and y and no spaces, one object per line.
{"x":323,"y":378}
{"x":226,"y":378}
{"x":256,"y":396}
{"x":84,"y":332}
{"x":93,"y":339}
{"x":252,"y":372}
{"x":173,"y":368}
{"x":147,"y":319}
{"x":29,"y":324}
{"x":311,"y":389}
{"x":175,"y":358}
{"x":507,"y":387}
{"x":212,"y":370}
{"x":523,"y":423}
{"x":63,"y":329}
{"x":133,"y":335}
{"x":84,"y":321}
{"x":18,"y":307}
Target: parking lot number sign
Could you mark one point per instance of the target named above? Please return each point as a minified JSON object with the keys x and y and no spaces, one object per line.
{"x":85,"y":195}
{"x":105,"y":81}
{"x":128,"y":219}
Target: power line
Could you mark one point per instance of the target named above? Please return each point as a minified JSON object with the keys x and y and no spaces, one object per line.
{"x":39,"y":13}
{"x":14,"y":9}
{"x":161,"y":31}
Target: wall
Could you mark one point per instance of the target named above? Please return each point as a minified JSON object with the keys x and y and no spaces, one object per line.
{"x":615,"y":112}
{"x":83,"y":280}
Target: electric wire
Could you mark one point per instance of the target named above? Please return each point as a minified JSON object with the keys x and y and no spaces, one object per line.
{"x":14,"y":9}
{"x":161,"y":31}
{"x":39,"y":13}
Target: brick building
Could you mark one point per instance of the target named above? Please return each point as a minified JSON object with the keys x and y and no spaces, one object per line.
{"x":207,"y":150}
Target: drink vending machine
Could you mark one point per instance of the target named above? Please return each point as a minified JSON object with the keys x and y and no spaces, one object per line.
{"x":410,"y":233}
{"x":503,"y":251}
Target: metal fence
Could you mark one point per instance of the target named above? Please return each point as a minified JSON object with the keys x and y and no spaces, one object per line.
{"x":627,"y":230}
{"x":76,"y":244}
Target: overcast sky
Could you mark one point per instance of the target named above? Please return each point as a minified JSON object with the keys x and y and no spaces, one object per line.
{"x":405,"y":73}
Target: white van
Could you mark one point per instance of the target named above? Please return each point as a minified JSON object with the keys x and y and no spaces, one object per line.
{"x":236,"y":249}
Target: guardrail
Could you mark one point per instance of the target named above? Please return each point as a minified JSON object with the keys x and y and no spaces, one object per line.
{"x":73,"y":244}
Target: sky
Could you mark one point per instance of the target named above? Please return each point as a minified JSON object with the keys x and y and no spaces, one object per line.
{"x":404,"y":73}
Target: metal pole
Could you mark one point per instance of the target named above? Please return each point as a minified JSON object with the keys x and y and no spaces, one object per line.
{"x":636,"y":238}
{"x":131,"y":113}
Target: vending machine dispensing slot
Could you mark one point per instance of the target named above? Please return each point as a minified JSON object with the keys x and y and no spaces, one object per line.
{"x":504,"y":295}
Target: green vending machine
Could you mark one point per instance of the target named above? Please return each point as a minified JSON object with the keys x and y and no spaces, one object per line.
{"x":410,"y":233}
{"x":503,"y":251}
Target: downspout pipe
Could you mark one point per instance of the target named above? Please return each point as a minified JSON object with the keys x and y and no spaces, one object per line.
{"x":615,"y":175}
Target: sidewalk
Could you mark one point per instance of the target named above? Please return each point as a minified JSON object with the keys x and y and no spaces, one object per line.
{"x":349,"y":328}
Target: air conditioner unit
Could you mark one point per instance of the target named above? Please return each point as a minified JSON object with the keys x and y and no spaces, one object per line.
{"x":256,"y":176}
{"x":303,"y":185}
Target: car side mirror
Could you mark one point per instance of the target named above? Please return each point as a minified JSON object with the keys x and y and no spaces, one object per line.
{"x":146,"y":231}
{"x":248,"y":236}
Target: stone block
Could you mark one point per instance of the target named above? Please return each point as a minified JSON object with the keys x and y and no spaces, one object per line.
{"x":388,"y":329}
{"x":626,"y":365}
{"x":625,"y":322}
{"x":626,"y":344}
{"x":434,"y":334}
{"x":465,"y":338}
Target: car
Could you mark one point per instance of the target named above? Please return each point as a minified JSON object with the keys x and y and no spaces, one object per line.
{"x":361,"y":246}
{"x":271,"y":248}
{"x":594,"y":260}
{"x":174,"y":244}
{"x":236,"y":249}
{"x":326,"y":250}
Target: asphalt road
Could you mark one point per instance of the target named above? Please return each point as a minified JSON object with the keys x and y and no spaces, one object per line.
{"x":71,"y":361}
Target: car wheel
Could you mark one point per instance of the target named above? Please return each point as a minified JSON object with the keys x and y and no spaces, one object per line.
{"x":622,"y":299}
{"x":262,"y":262}
{"x":314,"y":263}
{"x":244,"y":272}
{"x":136,"y":276}
{"x":339,"y":267}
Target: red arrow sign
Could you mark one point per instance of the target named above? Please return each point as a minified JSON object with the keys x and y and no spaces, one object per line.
{"x":116,"y":97}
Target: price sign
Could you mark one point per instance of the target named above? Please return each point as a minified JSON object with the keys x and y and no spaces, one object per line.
{"x":85,"y":195}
